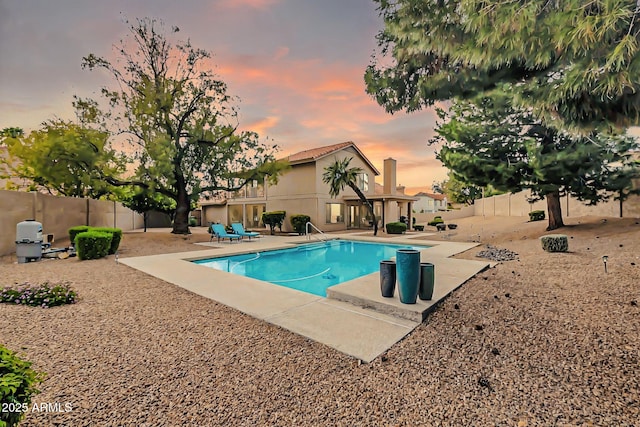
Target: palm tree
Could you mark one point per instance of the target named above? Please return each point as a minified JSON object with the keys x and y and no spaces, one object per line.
{"x":11,"y":132}
{"x":339,"y":175}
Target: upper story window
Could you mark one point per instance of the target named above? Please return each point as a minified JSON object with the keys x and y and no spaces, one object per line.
{"x":252,"y":189}
{"x":363,"y":182}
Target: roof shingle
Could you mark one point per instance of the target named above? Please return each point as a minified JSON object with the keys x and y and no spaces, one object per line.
{"x":316,"y":153}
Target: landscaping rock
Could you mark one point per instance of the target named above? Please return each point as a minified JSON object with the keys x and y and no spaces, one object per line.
{"x":497,"y":254}
{"x":559,"y":349}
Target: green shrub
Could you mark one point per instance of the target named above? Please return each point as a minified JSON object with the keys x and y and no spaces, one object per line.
{"x":396,"y":227}
{"x":555,"y":243}
{"x":17,"y":386}
{"x":273,"y":219}
{"x":74,"y":231}
{"x":299,"y":222}
{"x":93,"y":244}
{"x":193,"y":221}
{"x":436,"y":220}
{"x":536,"y":215}
{"x":116,"y":234}
{"x":44,"y":295}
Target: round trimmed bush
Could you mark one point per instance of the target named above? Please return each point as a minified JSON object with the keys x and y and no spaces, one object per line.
{"x":74,"y":231}
{"x":93,"y":244}
{"x":435,"y":221}
{"x":299,"y":222}
{"x":273,"y":219}
{"x":396,"y":227}
{"x":115,"y":241}
{"x":536,"y":215}
{"x":555,"y":243}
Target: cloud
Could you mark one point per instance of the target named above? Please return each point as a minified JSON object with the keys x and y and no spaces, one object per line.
{"x":282,"y":52}
{"x":296,"y":67}
{"x":318,"y":103}
{"x":326,"y":97}
{"x":254,"y":4}
{"x":262,"y":126}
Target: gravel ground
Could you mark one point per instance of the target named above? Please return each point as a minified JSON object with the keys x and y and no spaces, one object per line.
{"x":546,"y":339}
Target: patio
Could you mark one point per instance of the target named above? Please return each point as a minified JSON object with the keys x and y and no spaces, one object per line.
{"x":354,"y":318}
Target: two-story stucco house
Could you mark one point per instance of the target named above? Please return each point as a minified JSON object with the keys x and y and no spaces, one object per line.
{"x":430,"y":202}
{"x":300,"y":190}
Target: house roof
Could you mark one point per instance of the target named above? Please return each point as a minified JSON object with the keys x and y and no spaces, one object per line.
{"x":308,"y":156}
{"x":431,"y":195}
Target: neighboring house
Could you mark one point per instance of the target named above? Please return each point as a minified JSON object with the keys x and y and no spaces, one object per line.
{"x":430,"y":202}
{"x":300,"y":190}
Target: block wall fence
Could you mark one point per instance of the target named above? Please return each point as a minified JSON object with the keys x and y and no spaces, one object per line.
{"x":58,"y":214}
{"x":516,"y":204}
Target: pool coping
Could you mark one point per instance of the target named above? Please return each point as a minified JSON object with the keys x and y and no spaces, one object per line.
{"x":354,"y":318}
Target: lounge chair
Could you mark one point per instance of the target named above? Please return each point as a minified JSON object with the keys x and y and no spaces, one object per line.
{"x":219,"y":231}
{"x":239,"y":230}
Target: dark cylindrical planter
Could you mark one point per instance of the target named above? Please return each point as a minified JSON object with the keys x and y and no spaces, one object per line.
{"x":387,"y":278}
{"x":408,"y":273}
{"x":427,"y":277}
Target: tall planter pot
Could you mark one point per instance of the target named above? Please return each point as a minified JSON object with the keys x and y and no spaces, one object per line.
{"x":387,"y":278}
{"x":427,"y":277}
{"x":408,"y":272}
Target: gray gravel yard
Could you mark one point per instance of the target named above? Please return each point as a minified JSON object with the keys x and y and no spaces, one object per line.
{"x":543,"y":340}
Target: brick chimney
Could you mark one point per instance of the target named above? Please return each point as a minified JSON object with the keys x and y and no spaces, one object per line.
{"x":389,"y":186}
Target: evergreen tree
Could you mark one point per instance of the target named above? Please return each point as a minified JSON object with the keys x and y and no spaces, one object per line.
{"x":573,"y":63}
{"x":489,"y":142}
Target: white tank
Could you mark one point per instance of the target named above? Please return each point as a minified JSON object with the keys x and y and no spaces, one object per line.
{"x":28,"y":241}
{"x":29,"y":231}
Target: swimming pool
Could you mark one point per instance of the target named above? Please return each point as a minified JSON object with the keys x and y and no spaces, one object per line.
{"x":311,"y":267}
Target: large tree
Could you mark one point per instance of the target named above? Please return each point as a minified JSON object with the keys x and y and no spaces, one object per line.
{"x":489,"y":142}
{"x":339,"y":175}
{"x":618,"y":181}
{"x":144,"y":202}
{"x":11,"y":132}
{"x":178,"y":119}
{"x":574,"y":63}
{"x":61,"y":158}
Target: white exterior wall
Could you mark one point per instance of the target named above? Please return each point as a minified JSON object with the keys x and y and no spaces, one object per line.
{"x":301,"y":191}
{"x":427,"y":204}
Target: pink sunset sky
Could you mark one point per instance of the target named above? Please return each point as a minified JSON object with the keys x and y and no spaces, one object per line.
{"x":296,"y":65}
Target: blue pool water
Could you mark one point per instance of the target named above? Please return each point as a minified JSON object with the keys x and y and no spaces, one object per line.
{"x":312,"y":267}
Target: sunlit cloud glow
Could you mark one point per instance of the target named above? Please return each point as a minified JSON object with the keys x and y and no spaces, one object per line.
{"x":296,"y":67}
{"x":255,"y":4}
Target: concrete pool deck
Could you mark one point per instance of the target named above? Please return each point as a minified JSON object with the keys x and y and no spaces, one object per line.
{"x":354,"y":318}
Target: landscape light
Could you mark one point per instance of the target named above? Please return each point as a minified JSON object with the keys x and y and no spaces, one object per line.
{"x":604,"y":260}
